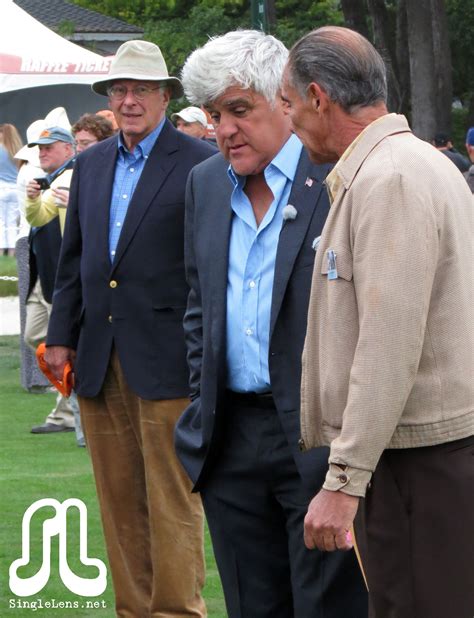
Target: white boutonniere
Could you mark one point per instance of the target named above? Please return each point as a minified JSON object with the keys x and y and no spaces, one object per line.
{"x":289,"y":212}
{"x":316,"y":242}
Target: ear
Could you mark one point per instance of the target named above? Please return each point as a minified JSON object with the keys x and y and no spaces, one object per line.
{"x":166,"y":96}
{"x":317,"y":96}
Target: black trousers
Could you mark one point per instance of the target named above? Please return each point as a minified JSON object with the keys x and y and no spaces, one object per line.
{"x":417,"y":543}
{"x":255,"y":504}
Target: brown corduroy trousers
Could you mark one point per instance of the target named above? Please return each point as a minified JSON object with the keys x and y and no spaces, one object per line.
{"x":153,"y":525}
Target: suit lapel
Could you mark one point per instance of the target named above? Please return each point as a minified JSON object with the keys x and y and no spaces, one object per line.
{"x":162,"y":160}
{"x":219,"y":252}
{"x":304,"y":196}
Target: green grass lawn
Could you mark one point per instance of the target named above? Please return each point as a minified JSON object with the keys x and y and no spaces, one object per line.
{"x":8,"y":269}
{"x":52,"y":466}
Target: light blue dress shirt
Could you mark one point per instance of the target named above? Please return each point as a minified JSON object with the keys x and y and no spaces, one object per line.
{"x":252,"y":254}
{"x":128,"y":169}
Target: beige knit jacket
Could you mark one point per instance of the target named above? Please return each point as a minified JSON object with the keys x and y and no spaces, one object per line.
{"x":388,"y":357}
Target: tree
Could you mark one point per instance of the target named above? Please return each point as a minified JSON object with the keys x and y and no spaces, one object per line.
{"x":422,"y":68}
{"x":415,"y":38}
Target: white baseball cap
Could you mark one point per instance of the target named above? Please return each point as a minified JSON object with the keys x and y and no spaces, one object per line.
{"x":191,"y":114}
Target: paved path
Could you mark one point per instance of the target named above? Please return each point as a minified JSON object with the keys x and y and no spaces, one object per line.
{"x":9,"y":316}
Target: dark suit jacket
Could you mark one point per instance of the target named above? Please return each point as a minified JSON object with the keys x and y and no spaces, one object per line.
{"x":138,"y":302}
{"x":44,"y":244}
{"x":208,"y":226}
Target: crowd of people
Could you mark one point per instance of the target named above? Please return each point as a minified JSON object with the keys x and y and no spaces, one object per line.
{"x":269,"y":323}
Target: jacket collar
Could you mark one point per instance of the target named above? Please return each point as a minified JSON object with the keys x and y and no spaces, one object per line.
{"x":304,"y":196}
{"x":373,"y":134}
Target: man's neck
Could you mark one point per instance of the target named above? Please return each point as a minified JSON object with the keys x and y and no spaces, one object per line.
{"x":259,"y":194}
{"x":352,"y":125}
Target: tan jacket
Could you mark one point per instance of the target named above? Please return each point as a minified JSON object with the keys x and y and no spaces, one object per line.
{"x":44,"y":208}
{"x":388,"y":357}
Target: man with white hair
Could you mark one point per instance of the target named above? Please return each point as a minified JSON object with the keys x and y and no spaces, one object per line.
{"x":249,"y":250}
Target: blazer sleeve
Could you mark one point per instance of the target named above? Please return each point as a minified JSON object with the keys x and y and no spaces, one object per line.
{"x":193,"y":315}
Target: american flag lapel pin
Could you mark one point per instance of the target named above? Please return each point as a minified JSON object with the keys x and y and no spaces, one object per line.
{"x":308,"y":182}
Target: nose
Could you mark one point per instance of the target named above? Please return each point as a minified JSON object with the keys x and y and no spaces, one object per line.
{"x":129,"y":98}
{"x":227,"y":127}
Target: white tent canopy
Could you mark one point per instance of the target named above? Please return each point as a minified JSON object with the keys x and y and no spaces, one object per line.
{"x":32,"y":55}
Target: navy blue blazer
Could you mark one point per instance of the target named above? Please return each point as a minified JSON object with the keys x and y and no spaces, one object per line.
{"x":207,"y":233}
{"x":136,"y":303}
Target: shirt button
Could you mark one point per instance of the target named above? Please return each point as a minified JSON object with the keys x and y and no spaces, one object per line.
{"x":252,"y":284}
{"x":342,"y":478}
{"x":113,"y":284}
{"x":249,"y":331}
{"x":118,"y":224}
{"x":132,"y":169}
{"x":112,"y":253}
{"x":124,"y":196}
{"x":110,"y":318}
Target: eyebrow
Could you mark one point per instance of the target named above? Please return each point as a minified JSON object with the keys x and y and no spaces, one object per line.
{"x":238,"y":101}
{"x":232,"y":103}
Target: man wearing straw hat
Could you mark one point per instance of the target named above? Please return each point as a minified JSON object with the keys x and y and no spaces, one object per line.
{"x":117,"y":316}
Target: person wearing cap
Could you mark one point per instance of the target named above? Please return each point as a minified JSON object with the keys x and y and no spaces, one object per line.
{"x":87,"y":131}
{"x":443,"y":143}
{"x":117,"y":316}
{"x":469,"y":175}
{"x":56,"y":157}
{"x":191,"y":120}
{"x":56,"y":149}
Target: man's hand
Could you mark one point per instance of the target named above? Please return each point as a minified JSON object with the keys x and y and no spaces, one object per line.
{"x":56,"y":357}
{"x":33,"y":189}
{"x":329,"y":519}
{"x":61,"y":196}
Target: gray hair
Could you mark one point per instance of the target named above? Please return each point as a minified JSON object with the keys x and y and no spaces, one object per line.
{"x":248,"y":59}
{"x":344,"y":63}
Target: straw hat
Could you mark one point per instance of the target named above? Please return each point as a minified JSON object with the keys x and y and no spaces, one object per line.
{"x":139,"y":60}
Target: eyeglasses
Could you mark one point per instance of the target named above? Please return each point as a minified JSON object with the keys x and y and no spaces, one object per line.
{"x":119,"y":92}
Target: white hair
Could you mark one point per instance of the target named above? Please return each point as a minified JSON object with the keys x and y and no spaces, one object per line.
{"x":248,"y":59}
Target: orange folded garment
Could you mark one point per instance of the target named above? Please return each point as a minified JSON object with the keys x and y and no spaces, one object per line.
{"x":65,"y":385}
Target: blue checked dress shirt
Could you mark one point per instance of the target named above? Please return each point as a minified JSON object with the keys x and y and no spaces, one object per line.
{"x":128,"y":169}
{"x":252,"y":254}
